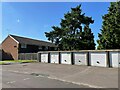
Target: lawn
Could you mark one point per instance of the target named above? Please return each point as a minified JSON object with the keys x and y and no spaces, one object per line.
{"x":16,"y":61}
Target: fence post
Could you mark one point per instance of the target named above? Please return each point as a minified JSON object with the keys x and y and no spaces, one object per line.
{"x":38,"y":57}
{"x":24,"y":55}
{"x":33,"y":57}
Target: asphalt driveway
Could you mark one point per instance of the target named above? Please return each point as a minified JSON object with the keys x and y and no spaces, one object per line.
{"x":83,"y":76}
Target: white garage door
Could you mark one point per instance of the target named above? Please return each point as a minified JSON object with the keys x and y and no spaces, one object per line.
{"x":65,"y":57}
{"x":80,"y":58}
{"x":54,"y":57}
{"x":44,"y":57}
{"x":114,"y":60}
{"x":98,"y":59}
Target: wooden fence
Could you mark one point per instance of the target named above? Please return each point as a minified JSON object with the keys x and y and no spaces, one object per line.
{"x":27,"y":56}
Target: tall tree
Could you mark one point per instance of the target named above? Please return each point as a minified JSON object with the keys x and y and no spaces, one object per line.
{"x":109,"y":38}
{"x":74,"y":32}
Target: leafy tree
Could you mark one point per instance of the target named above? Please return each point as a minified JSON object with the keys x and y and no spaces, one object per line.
{"x":74,"y":32}
{"x":109,"y":38}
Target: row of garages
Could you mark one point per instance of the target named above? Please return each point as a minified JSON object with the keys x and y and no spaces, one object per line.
{"x":102,"y":58}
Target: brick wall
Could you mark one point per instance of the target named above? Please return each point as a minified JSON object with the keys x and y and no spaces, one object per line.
{"x":10,"y":47}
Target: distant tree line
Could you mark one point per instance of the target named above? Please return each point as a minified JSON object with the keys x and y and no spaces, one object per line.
{"x":74,"y":32}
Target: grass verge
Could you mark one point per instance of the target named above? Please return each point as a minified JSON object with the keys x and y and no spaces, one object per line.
{"x":6,"y":62}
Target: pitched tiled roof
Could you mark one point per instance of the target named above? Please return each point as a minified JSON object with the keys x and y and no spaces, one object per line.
{"x":24,"y":40}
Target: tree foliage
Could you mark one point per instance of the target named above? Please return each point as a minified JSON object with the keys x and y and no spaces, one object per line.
{"x":74,"y":32}
{"x":109,"y":38}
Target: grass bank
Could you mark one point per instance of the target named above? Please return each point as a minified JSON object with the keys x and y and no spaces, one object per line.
{"x":16,"y":61}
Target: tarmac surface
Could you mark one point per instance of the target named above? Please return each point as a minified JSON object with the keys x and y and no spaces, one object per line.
{"x":16,"y":80}
{"x":44,"y":75}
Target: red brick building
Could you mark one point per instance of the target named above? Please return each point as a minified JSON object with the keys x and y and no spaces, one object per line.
{"x":13,"y":45}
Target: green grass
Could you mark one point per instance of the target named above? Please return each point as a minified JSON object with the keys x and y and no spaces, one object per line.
{"x":22,"y":61}
{"x":17,"y":61}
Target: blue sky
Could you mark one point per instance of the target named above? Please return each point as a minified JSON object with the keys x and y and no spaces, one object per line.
{"x":32,"y":19}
